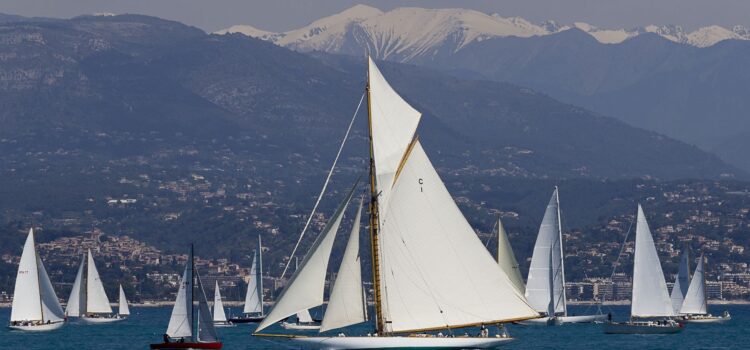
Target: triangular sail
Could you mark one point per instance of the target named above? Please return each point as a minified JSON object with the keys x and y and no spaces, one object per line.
{"x":650,"y":295}
{"x":97,"y":301}
{"x":51,"y":309}
{"x":682,"y":282}
{"x":77,"y":301}
{"x":695,"y":299}
{"x":123,"y":308}
{"x":27,"y":297}
{"x":304,"y":316}
{"x":346,"y":305}
{"x":206,"y":330}
{"x":545,"y":285}
{"x":254,"y":296}
{"x":307,"y":285}
{"x":219,"y":315}
{"x":181,"y":320}
{"x":507,"y":260}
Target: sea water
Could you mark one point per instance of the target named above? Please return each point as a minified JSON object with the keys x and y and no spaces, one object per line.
{"x":146,"y":325}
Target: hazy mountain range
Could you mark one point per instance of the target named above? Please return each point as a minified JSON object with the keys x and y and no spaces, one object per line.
{"x":690,"y":86}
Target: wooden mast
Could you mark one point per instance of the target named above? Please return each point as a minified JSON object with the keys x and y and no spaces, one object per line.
{"x":374,"y":221}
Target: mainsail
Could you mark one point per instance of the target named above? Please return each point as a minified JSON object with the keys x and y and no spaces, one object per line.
{"x":682,"y":282}
{"x":307,"y":285}
{"x":254,"y":296}
{"x":695,"y":299}
{"x":346,"y":305}
{"x":219,"y":315}
{"x":545,"y":285}
{"x":77,"y":300}
{"x":123,"y":310}
{"x":96,"y":297}
{"x":507,"y":260}
{"x":181,"y":320}
{"x":34,"y":299}
{"x":650,"y":295}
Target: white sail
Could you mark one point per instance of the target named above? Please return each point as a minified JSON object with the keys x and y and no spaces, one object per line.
{"x":682,"y":282}
{"x":77,"y":300}
{"x":307,"y":285}
{"x":304,"y":316}
{"x":96,"y":297}
{"x":123,"y":309}
{"x":51,"y":309}
{"x":393,"y":123}
{"x":219,"y":315}
{"x":507,"y":260}
{"x":206,"y":331}
{"x":27,"y":297}
{"x":434,"y":270}
{"x":546,"y":277}
{"x":346,"y":305}
{"x":650,"y":294}
{"x":180,"y":322}
{"x":695,"y":299}
{"x":254,"y":296}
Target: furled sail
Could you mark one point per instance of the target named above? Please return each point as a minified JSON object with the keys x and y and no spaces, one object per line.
{"x":219,"y":315}
{"x":695,"y":299}
{"x":77,"y":300}
{"x":254,"y":296}
{"x":307,"y":285}
{"x":682,"y":282}
{"x":180,"y":322}
{"x":27,"y":297}
{"x":123,"y":310}
{"x":545,"y":285}
{"x":346,"y":305}
{"x":507,"y":260}
{"x":97,"y":301}
{"x":435,"y":273}
{"x":650,"y":295}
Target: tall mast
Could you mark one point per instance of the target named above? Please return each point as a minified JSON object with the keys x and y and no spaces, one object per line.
{"x":562,"y":257}
{"x":260,"y":274}
{"x":192,"y":292}
{"x":374,"y":221}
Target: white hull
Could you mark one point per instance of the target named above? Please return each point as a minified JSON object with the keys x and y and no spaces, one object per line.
{"x":560,"y":320}
{"x":358,"y":343}
{"x":223,"y":324}
{"x":642,"y":328}
{"x":707,"y":319}
{"x":301,"y":327}
{"x":99,"y":320}
{"x":39,"y":328}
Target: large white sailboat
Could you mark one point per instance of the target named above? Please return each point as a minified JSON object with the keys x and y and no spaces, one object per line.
{"x":695,"y":306}
{"x":431,"y":273}
{"x":88,"y":299}
{"x":35,"y":305}
{"x":545,"y":285}
{"x":252,"y":311}
{"x":220,"y":317}
{"x":651,"y":310}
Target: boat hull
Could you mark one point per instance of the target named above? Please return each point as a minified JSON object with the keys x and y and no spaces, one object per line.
{"x":630,"y":328}
{"x":300,"y":327}
{"x":255,"y":319}
{"x":708,"y":319}
{"x":186,"y":345}
{"x":40,"y":328}
{"x":223,"y":324}
{"x":560,"y":320}
{"x":100,"y":320}
{"x":360,"y":343}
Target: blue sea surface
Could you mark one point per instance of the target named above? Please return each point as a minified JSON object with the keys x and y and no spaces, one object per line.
{"x":146,"y":326}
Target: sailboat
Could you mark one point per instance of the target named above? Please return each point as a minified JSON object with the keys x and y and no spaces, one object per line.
{"x":220,"y":317}
{"x":123,"y":311}
{"x":682,"y":282}
{"x":431,"y":273}
{"x":88,"y":300}
{"x":35,"y":305}
{"x":651,"y":309}
{"x":695,"y":306}
{"x":253,"y":309}
{"x":545,"y":285}
{"x":184,"y":330}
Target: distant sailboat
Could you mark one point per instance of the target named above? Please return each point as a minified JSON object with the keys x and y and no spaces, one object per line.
{"x":545,"y":285}
{"x":220,"y":317}
{"x":430,"y":270}
{"x":35,"y":305}
{"x":88,"y":300}
{"x":651,"y":309}
{"x":695,"y":306}
{"x":123,"y":310}
{"x":253,"y":308}
{"x":184,"y":331}
{"x":682,"y":282}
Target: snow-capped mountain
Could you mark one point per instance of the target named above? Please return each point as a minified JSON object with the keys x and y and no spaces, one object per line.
{"x":405,"y":33}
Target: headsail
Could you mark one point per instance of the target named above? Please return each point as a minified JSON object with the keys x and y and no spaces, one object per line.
{"x":51,"y":309}
{"x":546,"y":278}
{"x":124,"y":309}
{"x":181,"y":321}
{"x":346,"y":305}
{"x":77,"y":301}
{"x":307,"y":285}
{"x":507,"y":260}
{"x":219,"y":315}
{"x":682,"y":282}
{"x":650,"y":295}
{"x":695,"y":299}
{"x":206,"y":331}
{"x":27,"y":296}
{"x":254,"y":296}
{"x":97,"y":301}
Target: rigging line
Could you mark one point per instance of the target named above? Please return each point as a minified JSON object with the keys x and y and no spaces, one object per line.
{"x":325,"y":185}
{"x":492,"y":234}
{"x":617,"y":262}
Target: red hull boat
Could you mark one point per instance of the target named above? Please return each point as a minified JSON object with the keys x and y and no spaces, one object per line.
{"x":177,"y":345}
